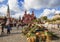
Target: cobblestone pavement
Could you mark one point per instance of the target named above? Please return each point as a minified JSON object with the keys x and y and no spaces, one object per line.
{"x":15,"y":36}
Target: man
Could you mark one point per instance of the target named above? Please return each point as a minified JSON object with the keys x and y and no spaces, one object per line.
{"x":2,"y":28}
{"x":3,"y":22}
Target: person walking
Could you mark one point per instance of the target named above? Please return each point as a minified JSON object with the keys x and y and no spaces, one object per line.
{"x":2,"y":27}
{"x":3,"y":22}
{"x":8,"y":26}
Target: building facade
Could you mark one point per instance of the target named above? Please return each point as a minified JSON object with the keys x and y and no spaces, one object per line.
{"x":27,"y":18}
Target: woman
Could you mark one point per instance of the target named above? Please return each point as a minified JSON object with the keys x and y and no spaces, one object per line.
{"x":8,"y":26}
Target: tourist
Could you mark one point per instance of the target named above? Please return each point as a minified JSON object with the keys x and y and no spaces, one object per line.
{"x":8,"y":26}
{"x":3,"y":22}
{"x":2,"y":29}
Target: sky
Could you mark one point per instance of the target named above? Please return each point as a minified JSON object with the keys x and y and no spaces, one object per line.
{"x":40,"y":7}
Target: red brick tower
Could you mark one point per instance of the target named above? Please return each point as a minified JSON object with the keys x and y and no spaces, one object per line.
{"x":32,"y":12}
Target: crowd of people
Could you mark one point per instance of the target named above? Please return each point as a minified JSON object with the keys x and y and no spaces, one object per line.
{"x":40,"y":32}
{"x":7,"y":24}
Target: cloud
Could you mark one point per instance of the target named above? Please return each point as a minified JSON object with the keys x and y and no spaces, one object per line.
{"x":57,"y":12}
{"x":31,"y":4}
{"x":15,"y":10}
{"x":1,"y":0}
{"x":49,"y":12}
{"x":17,"y":15}
{"x":13,"y":4}
{"x":3,"y":10}
{"x":37,"y":4}
{"x":14,"y":7}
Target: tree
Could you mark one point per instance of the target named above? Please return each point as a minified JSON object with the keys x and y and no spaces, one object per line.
{"x":44,"y":18}
{"x":58,"y":19}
